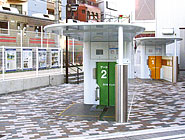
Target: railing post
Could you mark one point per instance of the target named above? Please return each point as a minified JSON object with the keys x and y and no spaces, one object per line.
{"x":67,"y":62}
{"x":41,"y":37}
{"x":61,"y":60}
{"x":175,"y":63}
{"x":3,"y":63}
{"x":73,"y":51}
{"x":78,"y":75}
{"x":21,"y":49}
{"x":37,"y":61}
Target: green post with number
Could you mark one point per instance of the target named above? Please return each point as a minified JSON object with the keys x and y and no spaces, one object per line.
{"x":106,"y":81}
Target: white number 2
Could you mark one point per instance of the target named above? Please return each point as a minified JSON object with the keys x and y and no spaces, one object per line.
{"x":104,"y":74}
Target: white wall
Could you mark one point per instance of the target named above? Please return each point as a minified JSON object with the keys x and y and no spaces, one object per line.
{"x":170,"y":14}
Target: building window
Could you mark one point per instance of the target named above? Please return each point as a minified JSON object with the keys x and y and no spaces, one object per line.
{"x":92,"y":16}
{"x":51,"y":11}
{"x":37,"y":29}
{"x":96,"y":17}
{"x":18,"y":26}
{"x":3,"y":27}
{"x":144,"y":9}
{"x":83,"y":11}
{"x":4,"y":24}
{"x":19,"y":7}
{"x":88,"y":14}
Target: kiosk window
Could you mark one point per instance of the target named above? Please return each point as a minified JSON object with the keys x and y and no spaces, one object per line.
{"x":99,"y":52}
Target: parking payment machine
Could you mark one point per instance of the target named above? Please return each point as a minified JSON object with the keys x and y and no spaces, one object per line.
{"x":105,"y":78}
{"x":104,"y":56}
{"x":102,"y":43}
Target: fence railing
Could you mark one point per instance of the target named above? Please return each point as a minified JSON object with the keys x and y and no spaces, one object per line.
{"x":16,"y":62}
{"x":29,"y":53}
{"x":28,"y":38}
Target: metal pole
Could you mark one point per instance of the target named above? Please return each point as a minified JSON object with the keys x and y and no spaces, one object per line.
{"x":175,"y":63}
{"x":61,"y":60}
{"x":120,"y":45}
{"x":41,"y":37}
{"x":121,"y":83}
{"x":21,"y":50}
{"x":67,"y":66}
{"x":37,"y":62}
{"x":3,"y":63}
{"x":47,"y":41}
{"x":121,"y":87}
{"x":73,"y":51}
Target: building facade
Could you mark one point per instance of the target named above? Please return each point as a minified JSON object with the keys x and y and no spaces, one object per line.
{"x":81,"y":10}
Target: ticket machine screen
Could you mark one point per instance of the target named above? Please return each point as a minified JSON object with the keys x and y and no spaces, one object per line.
{"x":99,"y":51}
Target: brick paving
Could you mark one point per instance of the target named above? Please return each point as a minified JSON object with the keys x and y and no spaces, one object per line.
{"x":35,"y":114}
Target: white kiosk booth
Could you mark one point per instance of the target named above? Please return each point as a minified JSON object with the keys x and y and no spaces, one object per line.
{"x":151,"y":61}
{"x":105,"y":45}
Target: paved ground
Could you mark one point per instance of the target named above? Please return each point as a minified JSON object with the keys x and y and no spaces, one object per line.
{"x":36,"y":114}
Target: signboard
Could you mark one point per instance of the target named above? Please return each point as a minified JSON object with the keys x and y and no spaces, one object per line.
{"x":54,"y":58}
{"x":158,"y":50}
{"x":27,"y":59}
{"x":42,"y":58}
{"x":150,"y":50}
{"x":10,"y":57}
{"x":106,"y":81}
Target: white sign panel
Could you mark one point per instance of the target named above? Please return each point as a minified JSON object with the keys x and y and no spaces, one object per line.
{"x":150,"y":50}
{"x":27,"y":59}
{"x":10,"y":57}
{"x":54,"y":58}
{"x":42,"y":58}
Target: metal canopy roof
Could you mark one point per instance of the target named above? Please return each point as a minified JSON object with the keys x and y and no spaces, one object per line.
{"x":100,"y":31}
{"x":157,"y":40}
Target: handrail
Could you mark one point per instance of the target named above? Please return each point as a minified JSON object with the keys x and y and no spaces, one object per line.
{"x":78,"y":69}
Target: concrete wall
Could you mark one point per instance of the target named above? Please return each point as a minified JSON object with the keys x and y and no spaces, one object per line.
{"x":29,"y":83}
{"x":170,"y":14}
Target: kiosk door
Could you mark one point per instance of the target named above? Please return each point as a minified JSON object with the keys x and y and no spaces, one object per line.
{"x":106,"y":82}
{"x":155,"y":64}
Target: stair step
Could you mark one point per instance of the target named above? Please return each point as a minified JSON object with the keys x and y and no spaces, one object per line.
{"x":75,"y":74}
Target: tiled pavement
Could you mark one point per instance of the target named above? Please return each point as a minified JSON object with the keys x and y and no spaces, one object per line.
{"x":34,"y":114}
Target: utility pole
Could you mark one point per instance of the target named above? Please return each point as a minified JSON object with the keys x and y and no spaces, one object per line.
{"x":67,"y":63}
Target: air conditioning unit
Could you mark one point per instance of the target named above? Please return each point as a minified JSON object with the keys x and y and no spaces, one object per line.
{"x":168,"y":31}
{"x":45,"y":16}
{"x":9,"y":9}
{"x":74,"y":8}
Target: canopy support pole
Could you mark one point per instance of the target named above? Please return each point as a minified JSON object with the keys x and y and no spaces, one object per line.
{"x":121,"y":82}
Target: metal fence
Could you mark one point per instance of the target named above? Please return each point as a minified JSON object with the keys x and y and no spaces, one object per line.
{"x":18,"y":62}
{"x":18,"y":38}
{"x":22,"y":53}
